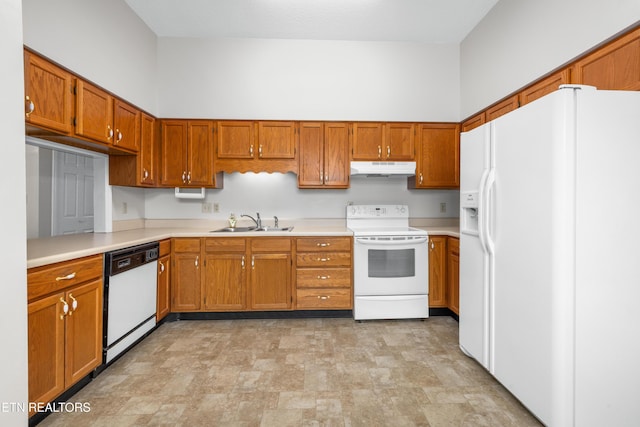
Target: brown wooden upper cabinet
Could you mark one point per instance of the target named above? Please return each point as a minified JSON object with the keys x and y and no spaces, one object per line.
{"x":615,"y":66}
{"x":324,"y":155}
{"x":103,"y":118}
{"x":139,"y":170}
{"x":438,"y":160}
{"x":383,"y":141}
{"x":544,"y":87}
{"x":473,"y":122}
{"x":501,"y":108}
{"x":48,"y":93}
{"x":187,"y":154}
{"x":243,"y":146}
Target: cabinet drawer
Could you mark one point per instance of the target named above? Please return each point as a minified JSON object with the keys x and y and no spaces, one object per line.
{"x":165,"y":247}
{"x":225,"y":245}
{"x":324,"y":259}
{"x":186,"y":245}
{"x":323,"y":298}
{"x":313,"y":244}
{"x":323,"y":277}
{"x":271,"y":244}
{"x":52,"y":278}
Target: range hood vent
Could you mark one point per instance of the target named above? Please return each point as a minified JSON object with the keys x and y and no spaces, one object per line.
{"x":383,"y":169}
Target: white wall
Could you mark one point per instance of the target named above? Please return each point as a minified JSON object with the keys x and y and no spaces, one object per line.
{"x":521,"y":40}
{"x":101,"y":40}
{"x":277,"y":194}
{"x":308,"y":80}
{"x":13,"y":307}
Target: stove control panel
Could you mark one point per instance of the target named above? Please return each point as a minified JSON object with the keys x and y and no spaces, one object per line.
{"x":377,"y":211}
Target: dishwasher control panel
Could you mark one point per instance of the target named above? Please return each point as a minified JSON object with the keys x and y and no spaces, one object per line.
{"x":129,"y":258}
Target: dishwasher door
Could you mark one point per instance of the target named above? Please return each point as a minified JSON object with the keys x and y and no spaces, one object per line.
{"x":130,"y":297}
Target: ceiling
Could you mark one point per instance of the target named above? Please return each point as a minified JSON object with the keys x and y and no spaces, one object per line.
{"x":427,"y":21}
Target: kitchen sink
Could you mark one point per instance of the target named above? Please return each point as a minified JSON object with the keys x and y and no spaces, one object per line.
{"x":246,"y":229}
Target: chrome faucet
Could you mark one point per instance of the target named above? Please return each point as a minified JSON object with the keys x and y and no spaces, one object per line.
{"x":275,"y":220}
{"x":258,"y":221}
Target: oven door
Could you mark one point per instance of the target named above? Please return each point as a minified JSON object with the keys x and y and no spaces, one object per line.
{"x":391,"y":265}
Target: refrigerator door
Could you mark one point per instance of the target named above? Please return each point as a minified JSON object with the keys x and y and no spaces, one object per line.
{"x":474,"y":323}
{"x":530,"y":227}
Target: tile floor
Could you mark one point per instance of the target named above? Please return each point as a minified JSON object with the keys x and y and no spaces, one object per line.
{"x":297,"y":372}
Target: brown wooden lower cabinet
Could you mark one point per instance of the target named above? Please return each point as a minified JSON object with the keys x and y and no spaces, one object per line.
{"x":437,"y":271}
{"x":64,"y":325}
{"x":453,"y":275}
{"x":163,"y":305}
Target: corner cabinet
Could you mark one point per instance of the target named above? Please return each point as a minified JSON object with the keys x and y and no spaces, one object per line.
{"x":186,"y":154}
{"x":438,"y":162}
{"x":324,"y":155}
{"x":138,"y":170}
{"x":64,"y":325}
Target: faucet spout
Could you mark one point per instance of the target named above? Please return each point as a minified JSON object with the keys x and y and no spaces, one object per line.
{"x":257,"y":220}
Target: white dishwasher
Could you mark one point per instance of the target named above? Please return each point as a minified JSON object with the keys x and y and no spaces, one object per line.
{"x":130,"y":292}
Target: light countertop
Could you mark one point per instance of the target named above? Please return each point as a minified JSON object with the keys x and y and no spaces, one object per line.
{"x":63,"y":248}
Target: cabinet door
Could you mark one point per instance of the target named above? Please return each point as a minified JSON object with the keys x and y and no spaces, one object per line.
{"x":163,"y":306}
{"x":270,"y":283}
{"x":185,"y":286}
{"x":453,"y":275}
{"x":94,"y":113}
{"x":399,"y":141}
{"x":367,"y":141}
{"x":126,"y":121}
{"x":235,"y":139}
{"x":311,"y":163}
{"x":502,"y":108}
{"x":437,"y":271}
{"x":173,"y":147}
{"x":439,"y":156}
{"x":83,"y":351}
{"x":613,"y":67}
{"x":200,"y":154}
{"x":473,"y":122}
{"x":46,"y":348}
{"x":225,"y":282}
{"x":336,"y":155}
{"x":544,"y":87}
{"x":276,"y":140}
{"x":48,"y":93}
{"x":147,"y":155}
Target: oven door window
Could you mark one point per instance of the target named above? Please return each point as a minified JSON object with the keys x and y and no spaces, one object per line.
{"x":392,"y":262}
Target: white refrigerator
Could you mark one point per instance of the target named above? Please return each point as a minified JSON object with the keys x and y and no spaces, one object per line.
{"x":550,"y":255}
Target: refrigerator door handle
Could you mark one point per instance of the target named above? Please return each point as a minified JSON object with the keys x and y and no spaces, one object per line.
{"x":485,"y":200}
{"x":482,"y":209}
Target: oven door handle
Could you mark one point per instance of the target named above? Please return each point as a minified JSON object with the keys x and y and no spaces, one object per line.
{"x":410,"y":242}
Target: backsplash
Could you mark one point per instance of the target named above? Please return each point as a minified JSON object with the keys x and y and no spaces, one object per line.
{"x":278,"y":194}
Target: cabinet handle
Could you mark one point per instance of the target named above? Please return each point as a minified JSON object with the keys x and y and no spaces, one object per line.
{"x":243,"y":262}
{"x":74,"y":304}
{"x":161,"y":267}
{"x":184,"y":177}
{"x":379,"y":151}
{"x":30,"y":106}
{"x":65,"y":308}
{"x":326,"y":179}
{"x":420,"y":178}
{"x":253,"y":262}
{"x":324,"y":259}
{"x":197,"y":261}
{"x":145,"y":174}
{"x":251,"y":150}
{"x":260,"y":150}
{"x":388,"y":151}
{"x":324,"y":277}
{"x":67,"y":277}
{"x":321,"y":175}
{"x":432,"y":245}
{"x":189,"y":177}
{"x":109,"y":132}
{"x":323,"y":245}
{"x":324,"y":297}
{"x":119,"y":138}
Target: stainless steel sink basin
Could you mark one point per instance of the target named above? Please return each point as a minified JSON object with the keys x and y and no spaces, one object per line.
{"x":245,"y":229}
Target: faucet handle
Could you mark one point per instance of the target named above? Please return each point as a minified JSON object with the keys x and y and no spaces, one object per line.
{"x":275,"y":219}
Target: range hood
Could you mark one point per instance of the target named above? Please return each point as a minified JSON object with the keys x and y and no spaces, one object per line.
{"x":383,"y":169}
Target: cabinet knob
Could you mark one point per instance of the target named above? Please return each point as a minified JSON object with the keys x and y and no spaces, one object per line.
{"x":30,"y":106}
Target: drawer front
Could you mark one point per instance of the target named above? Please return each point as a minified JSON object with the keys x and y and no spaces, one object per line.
{"x":324,"y":244}
{"x":271,"y":244}
{"x":323,"y":278}
{"x":324,"y":259}
{"x":186,"y":245}
{"x":309,"y":299}
{"x":55,"y":277}
{"x":165,"y":247}
{"x":225,"y":245}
